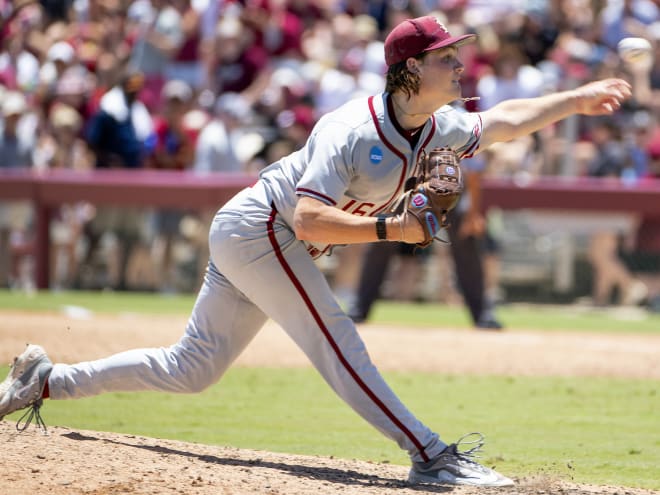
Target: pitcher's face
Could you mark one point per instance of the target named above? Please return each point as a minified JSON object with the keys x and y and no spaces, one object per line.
{"x":440,"y":74}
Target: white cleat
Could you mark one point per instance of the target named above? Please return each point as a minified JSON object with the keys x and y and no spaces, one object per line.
{"x":25,"y":383}
{"x":453,"y":467}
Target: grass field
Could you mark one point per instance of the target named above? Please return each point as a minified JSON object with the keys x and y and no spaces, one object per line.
{"x":590,"y":430}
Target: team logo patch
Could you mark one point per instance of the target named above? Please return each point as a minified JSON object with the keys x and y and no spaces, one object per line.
{"x":419,"y":200}
{"x":441,"y":26}
{"x":375,"y":155}
{"x":449,"y":170}
{"x":432,"y":223}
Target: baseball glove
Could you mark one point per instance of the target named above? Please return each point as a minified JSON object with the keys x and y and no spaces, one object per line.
{"x":429,"y":196}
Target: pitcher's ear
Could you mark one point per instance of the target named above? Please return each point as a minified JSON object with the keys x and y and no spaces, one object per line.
{"x":412,"y":65}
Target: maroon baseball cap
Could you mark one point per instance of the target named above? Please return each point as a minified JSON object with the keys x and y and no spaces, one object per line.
{"x":415,"y":36}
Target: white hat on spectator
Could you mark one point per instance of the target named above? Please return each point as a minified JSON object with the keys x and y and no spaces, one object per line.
{"x":62,"y":51}
{"x":14,"y":103}
{"x":228,"y":27}
{"x":141,"y":10}
{"x":233,"y":104}
{"x":286,"y":77}
{"x":176,"y":89}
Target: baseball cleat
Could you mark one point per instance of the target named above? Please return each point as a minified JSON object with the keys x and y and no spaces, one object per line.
{"x":25,"y":384}
{"x":454,"y":467}
{"x":488,"y":324}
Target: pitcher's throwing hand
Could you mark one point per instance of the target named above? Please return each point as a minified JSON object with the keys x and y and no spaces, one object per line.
{"x":602,"y":97}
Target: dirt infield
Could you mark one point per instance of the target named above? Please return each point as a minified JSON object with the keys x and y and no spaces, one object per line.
{"x":83,"y":462}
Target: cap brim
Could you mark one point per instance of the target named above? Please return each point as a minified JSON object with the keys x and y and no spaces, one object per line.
{"x":453,"y":41}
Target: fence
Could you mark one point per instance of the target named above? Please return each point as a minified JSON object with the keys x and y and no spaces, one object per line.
{"x":563,"y":196}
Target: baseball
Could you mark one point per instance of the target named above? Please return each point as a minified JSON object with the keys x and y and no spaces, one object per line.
{"x":634,"y":50}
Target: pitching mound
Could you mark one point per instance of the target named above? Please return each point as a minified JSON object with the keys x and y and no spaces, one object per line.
{"x":73,"y":462}
{"x":70,"y":462}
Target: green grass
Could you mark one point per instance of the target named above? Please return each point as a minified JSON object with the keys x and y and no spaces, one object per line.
{"x":599,"y":431}
{"x":523,"y":316}
{"x":539,"y":317}
{"x":98,"y":301}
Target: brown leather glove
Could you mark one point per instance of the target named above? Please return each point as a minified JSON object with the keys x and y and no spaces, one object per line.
{"x":433,"y":193}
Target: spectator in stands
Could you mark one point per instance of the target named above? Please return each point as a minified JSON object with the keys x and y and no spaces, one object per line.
{"x":218,"y":149}
{"x":270,"y":151}
{"x":186,"y":64}
{"x":511,"y":77}
{"x":16,"y":139}
{"x":295,"y":124}
{"x":74,"y":89}
{"x":539,"y":29}
{"x":19,"y":67}
{"x":101,"y":27}
{"x":106,"y":77}
{"x":237,"y":64}
{"x":278,"y":29}
{"x":16,"y":145}
{"x":60,"y":57}
{"x":121,"y":132}
{"x":157,"y":30}
{"x":645,"y":259}
{"x":56,"y":10}
{"x":612,"y":159}
{"x":287,"y":89}
{"x":348,"y":78}
{"x":121,"y":135}
{"x":217,"y":145}
{"x":173,"y":150}
{"x":61,"y":147}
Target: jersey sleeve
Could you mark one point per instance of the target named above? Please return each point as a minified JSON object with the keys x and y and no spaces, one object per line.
{"x":472,"y":145}
{"x":329,"y":163}
{"x":463,"y":129}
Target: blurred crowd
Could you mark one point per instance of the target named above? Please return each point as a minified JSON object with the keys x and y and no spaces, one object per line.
{"x":209,"y":85}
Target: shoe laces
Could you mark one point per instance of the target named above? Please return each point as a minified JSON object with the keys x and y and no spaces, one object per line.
{"x":475,"y":441}
{"x":32,"y":414}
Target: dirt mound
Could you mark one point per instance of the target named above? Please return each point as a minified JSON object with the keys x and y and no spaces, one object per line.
{"x":68,"y":462}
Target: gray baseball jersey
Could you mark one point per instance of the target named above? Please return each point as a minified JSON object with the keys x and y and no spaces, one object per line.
{"x":356,"y":160}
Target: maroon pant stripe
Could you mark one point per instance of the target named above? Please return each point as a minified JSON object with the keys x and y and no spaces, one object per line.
{"x":331,"y":340}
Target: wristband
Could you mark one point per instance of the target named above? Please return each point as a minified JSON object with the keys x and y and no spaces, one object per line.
{"x":381,"y":230}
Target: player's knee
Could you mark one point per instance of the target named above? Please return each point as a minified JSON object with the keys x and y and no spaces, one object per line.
{"x":194,"y":371}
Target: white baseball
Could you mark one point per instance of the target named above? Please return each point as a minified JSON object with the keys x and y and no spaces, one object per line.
{"x":634,"y":50}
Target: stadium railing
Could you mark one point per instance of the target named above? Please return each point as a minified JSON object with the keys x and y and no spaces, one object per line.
{"x":48,"y":190}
